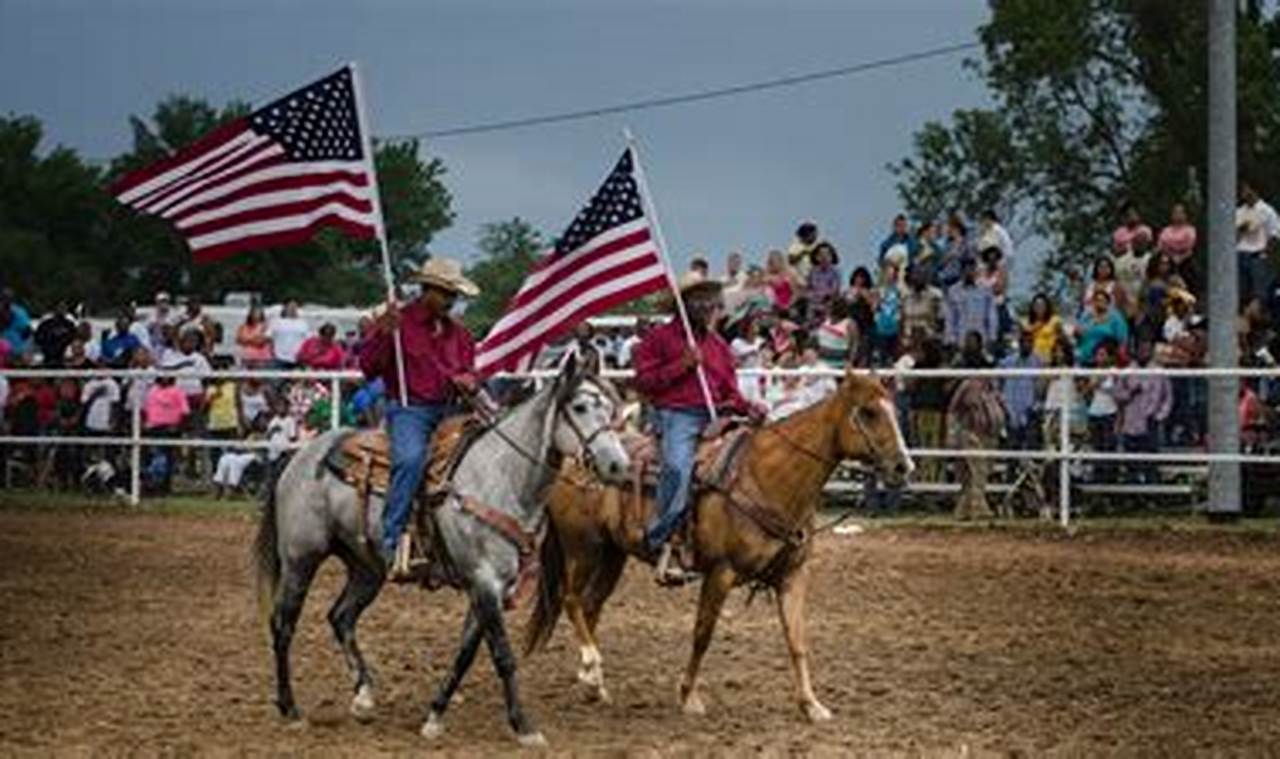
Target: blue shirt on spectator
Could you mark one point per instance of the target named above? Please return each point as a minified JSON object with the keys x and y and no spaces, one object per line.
{"x":971,"y":308}
{"x":1095,"y":330}
{"x":18,"y":333}
{"x":1020,"y":392}
{"x":117,"y":349}
{"x":908,"y":241}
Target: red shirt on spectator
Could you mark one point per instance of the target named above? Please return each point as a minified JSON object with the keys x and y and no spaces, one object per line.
{"x":436,"y":351}
{"x":317,"y":353}
{"x":662,"y":377}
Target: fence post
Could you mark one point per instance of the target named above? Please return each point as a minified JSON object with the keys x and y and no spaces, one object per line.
{"x":335,"y":403}
{"x":1064,"y":448}
{"x":135,"y":454}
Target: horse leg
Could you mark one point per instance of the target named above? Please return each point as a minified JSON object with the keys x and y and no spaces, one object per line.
{"x":591,"y":669}
{"x":791,"y":609}
{"x":363,"y":585}
{"x":715,"y":589}
{"x":434,"y":726}
{"x":603,"y":580}
{"x":489,"y":611}
{"x":294,"y":583}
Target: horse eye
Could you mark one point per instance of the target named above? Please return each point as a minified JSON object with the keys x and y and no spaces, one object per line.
{"x":579,"y":408}
{"x":867,"y":414}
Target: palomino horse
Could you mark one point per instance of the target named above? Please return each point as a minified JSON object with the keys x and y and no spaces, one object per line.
{"x":493,"y":508}
{"x":757,"y":529}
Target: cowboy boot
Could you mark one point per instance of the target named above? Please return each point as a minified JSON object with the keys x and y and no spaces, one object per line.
{"x":400,"y":566}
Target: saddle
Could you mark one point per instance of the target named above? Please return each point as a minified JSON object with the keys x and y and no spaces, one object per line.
{"x":715,"y":467}
{"x":362,"y":459}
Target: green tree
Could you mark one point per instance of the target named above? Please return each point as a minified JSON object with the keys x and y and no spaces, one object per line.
{"x":509,"y":250}
{"x":51,"y":211}
{"x":1097,"y":103}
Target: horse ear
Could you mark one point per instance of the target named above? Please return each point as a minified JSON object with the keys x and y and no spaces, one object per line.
{"x":569,"y":367}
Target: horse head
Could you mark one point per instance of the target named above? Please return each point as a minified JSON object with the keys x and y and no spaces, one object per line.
{"x":585,"y":428}
{"x":868,"y":429}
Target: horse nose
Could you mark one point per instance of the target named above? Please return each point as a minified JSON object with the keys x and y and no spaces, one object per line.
{"x":615,"y":469}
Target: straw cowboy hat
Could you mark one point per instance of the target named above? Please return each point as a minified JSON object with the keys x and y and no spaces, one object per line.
{"x":1182,"y":294}
{"x":446,"y":274}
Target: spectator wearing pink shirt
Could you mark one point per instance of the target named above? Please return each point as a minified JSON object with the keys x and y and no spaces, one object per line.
{"x":164,"y":411}
{"x":1178,"y":241}
{"x":1132,"y":234}
{"x":322,"y":351}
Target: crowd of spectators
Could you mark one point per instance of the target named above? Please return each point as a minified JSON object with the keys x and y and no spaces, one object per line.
{"x":931,"y":294}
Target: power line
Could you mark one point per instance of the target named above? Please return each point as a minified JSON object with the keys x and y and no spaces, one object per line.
{"x":691,"y":97}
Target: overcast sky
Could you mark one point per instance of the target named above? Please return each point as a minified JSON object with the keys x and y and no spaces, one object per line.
{"x":740,"y":172}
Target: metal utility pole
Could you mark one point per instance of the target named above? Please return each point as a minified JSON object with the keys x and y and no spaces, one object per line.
{"x":1224,"y":296}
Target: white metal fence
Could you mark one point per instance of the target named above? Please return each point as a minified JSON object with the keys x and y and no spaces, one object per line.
{"x":1064,"y":454}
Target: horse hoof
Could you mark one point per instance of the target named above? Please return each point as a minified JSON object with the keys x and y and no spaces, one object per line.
{"x":433,"y":728}
{"x":362,"y":705}
{"x":816,"y":712}
{"x":693,"y":706}
{"x":532,"y":740}
{"x":290,"y":713}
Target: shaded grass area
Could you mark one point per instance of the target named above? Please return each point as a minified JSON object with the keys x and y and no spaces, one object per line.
{"x":1156,"y":522}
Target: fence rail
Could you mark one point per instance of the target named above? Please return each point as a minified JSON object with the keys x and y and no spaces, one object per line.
{"x":1064,"y":453}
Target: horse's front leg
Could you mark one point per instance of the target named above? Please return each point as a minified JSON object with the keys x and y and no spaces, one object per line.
{"x":715,"y":589}
{"x":591,"y":667}
{"x":488,"y":610}
{"x":434,"y":726}
{"x":791,"y":610}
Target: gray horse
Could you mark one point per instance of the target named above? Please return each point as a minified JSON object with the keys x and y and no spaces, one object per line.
{"x":310,"y":514}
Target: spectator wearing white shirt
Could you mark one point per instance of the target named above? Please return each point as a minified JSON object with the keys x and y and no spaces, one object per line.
{"x":287,"y":332}
{"x":282,"y":430}
{"x":992,"y":234}
{"x":1257,"y":228}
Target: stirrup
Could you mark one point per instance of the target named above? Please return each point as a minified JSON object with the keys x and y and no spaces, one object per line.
{"x":401,"y":568}
{"x":667,"y":572}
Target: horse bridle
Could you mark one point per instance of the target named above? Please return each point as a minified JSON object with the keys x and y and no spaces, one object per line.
{"x":584,"y":440}
{"x":862,"y":430}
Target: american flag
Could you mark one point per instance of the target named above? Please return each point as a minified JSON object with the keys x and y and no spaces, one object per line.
{"x":605,"y":258}
{"x":270,"y":179}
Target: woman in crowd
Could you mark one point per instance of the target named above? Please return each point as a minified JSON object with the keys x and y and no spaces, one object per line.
{"x":322,"y":351}
{"x":1101,"y":322}
{"x":1104,"y":280}
{"x":254,"y":342}
{"x":1103,"y":408}
{"x":994,"y":276}
{"x":287,"y":332}
{"x":888,"y":315}
{"x":1044,"y":325}
{"x":824,"y":276}
{"x":956,"y":249}
{"x":1178,"y":241}
{"x":837,"y":336}
{"x":781,"y":280}
{"x":861,"y":297}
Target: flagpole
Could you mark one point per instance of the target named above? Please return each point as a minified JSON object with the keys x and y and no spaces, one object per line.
{"x":652,"y":211}
{"x":379,"y":224}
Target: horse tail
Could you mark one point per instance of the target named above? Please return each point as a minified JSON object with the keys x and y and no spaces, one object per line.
{"x":542,"y":622}
{"x":266,"y":551}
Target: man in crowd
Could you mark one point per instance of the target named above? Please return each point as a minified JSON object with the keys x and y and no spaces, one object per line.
{"x":118,"y":348}
{"x":667,"y":375}
{"x":922,"y":306}
{"x":54,"y":334}
{"x":161,"y":318}
{"x":970,"y":307}
{"x":1145,"y":402}
{"x":1257,"y":228}
{"x":1021,"y":393}
{"x":439,"y":361}
{"x":735,"y":276}
{"x":900,"y":236}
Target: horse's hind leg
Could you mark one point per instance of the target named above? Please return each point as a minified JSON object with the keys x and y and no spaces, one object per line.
{"x":363,"y":584}
{"x":791,"y":602}
{"x":434,"y":725}
{"x":715,"y":589}
{"x":489,"y":613}
{"x":295,"y":580}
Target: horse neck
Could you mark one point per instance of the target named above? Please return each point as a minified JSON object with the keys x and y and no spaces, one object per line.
{"x":791,"y":460}
{"x":512,"y":478}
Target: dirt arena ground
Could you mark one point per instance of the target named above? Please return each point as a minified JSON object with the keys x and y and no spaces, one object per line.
{"x":127,"y":634}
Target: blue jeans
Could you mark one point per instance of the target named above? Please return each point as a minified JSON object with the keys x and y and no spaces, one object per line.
{"x":1255,"y":276}
{"x":679,"y":430}
{"x":410,"y":429}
